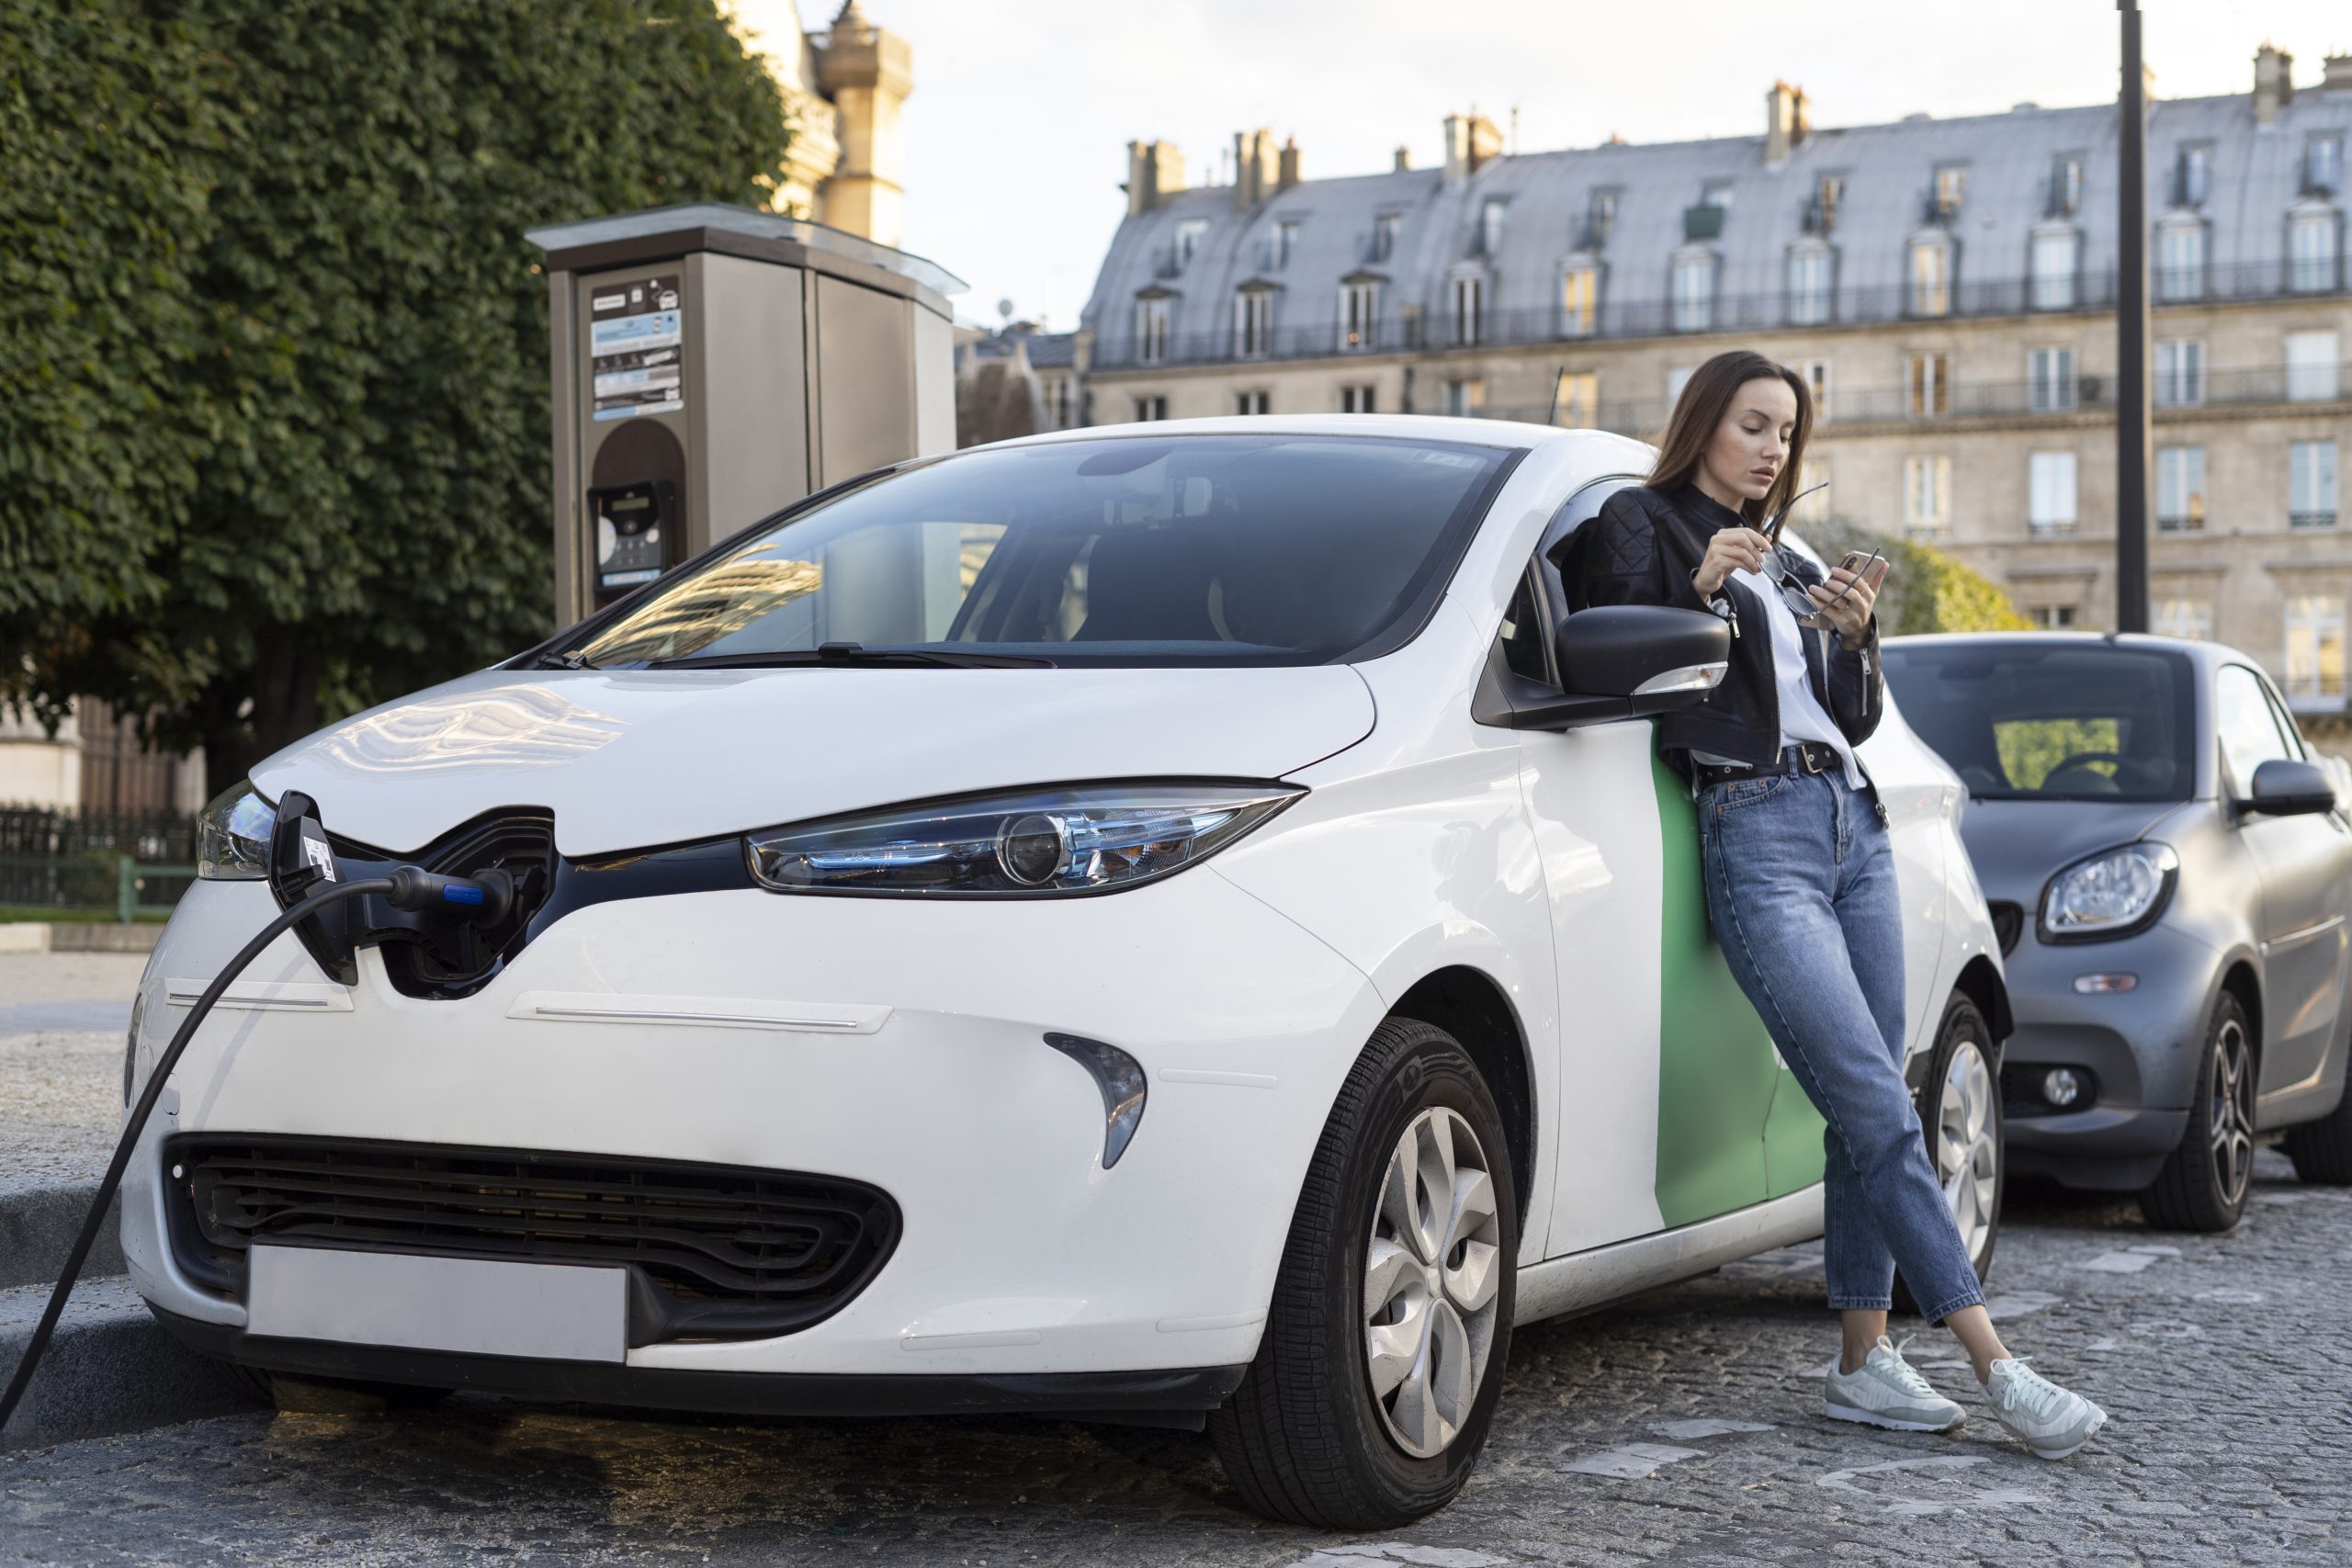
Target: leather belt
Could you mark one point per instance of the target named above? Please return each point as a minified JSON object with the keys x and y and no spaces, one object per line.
{"x":1804,"y":756}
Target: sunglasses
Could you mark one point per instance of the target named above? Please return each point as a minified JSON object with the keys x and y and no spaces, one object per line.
{"x":1793,"y":593}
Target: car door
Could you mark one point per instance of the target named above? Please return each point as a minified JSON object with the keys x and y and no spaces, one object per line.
{"x":2300,"y":861}
{"x":1667,"y":1072}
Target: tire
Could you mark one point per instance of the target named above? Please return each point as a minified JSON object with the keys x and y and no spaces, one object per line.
{"x":2204,"y":1183}
{"x":1960,"y":1112}
{"x":2321,"y":1150}
{"x":1306,"y":1438}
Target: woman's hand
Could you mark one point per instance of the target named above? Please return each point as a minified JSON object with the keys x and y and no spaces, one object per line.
{"x":1851,"y":614}
{"x":1730,"y":550}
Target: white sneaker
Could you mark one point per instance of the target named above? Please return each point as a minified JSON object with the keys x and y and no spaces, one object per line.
{"x":2051,"y":1421}
{"x":1887,"y":1390}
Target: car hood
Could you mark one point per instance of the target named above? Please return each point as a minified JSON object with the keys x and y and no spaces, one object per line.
{"x":2015,"y":845}
{"x":634,"y":758}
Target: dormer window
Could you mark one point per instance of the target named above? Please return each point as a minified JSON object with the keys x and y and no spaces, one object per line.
{"x":1716,"y":193}
{"x":1951,"y":186}
{"x":1821,"y":214}
{"x":1384,"y":235}
{"x":1491,"y":218}
{"x":2066,"y":185}
{"x":1286,"y":240}
{"x":1600,"y":214}
{"x":2196,"y":180}
{"x":2323,"y":164}
{"x":1930,"y":274}
{"x":1188,"y":238}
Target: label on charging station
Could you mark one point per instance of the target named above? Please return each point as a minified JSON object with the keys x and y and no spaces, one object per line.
{"x":635,"y":343}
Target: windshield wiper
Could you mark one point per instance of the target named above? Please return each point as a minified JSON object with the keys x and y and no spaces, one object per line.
{"x":852,"y":653}
{"x":575,"y":660}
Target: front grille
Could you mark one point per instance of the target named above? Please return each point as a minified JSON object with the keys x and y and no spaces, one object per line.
{"x":2008,"y":924}
{"x":717,"y":1251}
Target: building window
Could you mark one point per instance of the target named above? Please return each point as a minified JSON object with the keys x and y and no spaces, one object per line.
{"x":1926,"y":496}
{"x":1931,"y":276}
{"x":1357,"y":399}
{"x":2183,"y":617}
{"x":1060,"y":395}
{"x":2050,"y":379}
{"x":1253,"y":402}
{"x":2053,"y":270}
{"x":2196,"y":173}
{"x":2310,"y":367}
{"x":1579,"y":291}
{"x":1188,"y":238}
{"x":1469,"y":310}
{"x":1716,"y":193}
{"x":1151,"y":408}
{"x":1384,"y":235}
{"x":2180,"y":373}
{"x":1465,"y":399}
{"x":1359,"y":316}
{"x":1817,"y":381}
{"x":2180,"y":488}
{"x":1808,"y":286}
{"x":2066,"y":185}
{"x":1694,"y":292}
{"x":2315,"y":650}
{"x":1576,"y":400}
{"x":2311,"y":251}
{"x":1677,"y":378}
{"x":2050,"y":484}
{"x":2323,"y":165}
{"x":2053,"y":617}
{"x":1285,"y":242}
{"x":1951,"y":186}
{"x":2180,"y":261}
{"x":1930,"y":386}
{"x":1491,"y":218}
{"x":1814,"y":505}
{"x":1253,"y":320}
{"x":1152,"y":330}
{"x":1601,"y":213}
{"x":2311,"y":484}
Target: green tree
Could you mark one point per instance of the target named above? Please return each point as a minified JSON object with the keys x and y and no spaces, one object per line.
{"x":291,"y":453}
{"x":1925,"y":590}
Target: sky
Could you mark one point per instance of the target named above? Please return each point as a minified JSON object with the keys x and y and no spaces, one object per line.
{"x":1021,"y":110}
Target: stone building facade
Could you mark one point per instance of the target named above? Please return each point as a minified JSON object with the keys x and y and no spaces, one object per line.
{"x":844,"y":90}
{"x":1947,"y":286}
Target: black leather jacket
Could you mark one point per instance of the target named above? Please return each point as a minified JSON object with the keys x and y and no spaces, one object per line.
{"x":1642,"y":549}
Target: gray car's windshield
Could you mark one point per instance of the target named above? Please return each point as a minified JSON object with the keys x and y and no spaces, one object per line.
{"x":1187,"y":549}
{"x":2021,"y":719}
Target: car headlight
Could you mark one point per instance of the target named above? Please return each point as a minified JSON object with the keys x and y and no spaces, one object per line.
{"x":233,"y":835}
{"x":1087,"y":839}
{"x":2111,"y":894}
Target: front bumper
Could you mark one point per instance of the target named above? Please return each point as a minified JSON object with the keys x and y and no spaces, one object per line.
{"x":923,"y":1072}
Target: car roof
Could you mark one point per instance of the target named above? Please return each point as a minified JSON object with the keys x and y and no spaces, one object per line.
{"x":1509,"y":434}
{"x":2206,"y":654}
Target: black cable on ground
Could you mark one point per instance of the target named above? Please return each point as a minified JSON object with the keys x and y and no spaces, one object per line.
{"x":137,"y":1123}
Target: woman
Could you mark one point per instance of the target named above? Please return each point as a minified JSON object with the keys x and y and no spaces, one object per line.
{"x":1801,"y":877}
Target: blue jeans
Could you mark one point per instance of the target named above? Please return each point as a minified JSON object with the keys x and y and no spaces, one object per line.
{"x":1801,"y":890}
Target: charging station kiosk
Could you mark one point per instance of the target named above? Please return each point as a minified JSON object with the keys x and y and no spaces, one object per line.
{"x":711,"y":363}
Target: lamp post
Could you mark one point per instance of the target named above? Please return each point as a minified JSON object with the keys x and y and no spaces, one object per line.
{"x":2131,"y":339}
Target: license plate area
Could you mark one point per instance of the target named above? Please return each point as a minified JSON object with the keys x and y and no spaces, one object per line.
{"x":470,"y":1306}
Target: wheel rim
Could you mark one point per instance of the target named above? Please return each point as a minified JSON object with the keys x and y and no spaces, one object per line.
{"x":1968,"y":1146}
{"x":1432,"y":1282}
{"x":2229,"y":1113}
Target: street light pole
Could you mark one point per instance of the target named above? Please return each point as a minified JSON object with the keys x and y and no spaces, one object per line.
{"x":2132,"y":340}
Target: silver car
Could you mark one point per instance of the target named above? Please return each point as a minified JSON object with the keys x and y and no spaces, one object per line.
{"x":2169,"y":869}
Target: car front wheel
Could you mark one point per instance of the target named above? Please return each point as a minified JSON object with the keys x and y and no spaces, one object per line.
{"x":1959,"y":1110}
{"x":1383,"y":1356}
{"x":2204,"y":1183}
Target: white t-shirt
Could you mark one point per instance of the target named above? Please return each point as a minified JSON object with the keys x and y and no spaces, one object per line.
{"x":1801,"y":716}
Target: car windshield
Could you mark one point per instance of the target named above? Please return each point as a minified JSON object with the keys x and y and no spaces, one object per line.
{"x":1126,"y":550}
{"x":2018,"y":719}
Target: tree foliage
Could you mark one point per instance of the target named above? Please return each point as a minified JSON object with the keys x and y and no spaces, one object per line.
{"x":280,"y":447}
{"x":1925,"y":590}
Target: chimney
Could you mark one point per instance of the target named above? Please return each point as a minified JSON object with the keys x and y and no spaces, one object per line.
{"x":1786,"y":122}
{"x":1289,"y":174}
{"x":1154,"y":168}
{"x":1404,"y":159}
{"x":1470,"y":142}
{"x":2274,"y":82}
{"x":2338,"y":73}
{"x":1253,"y":168}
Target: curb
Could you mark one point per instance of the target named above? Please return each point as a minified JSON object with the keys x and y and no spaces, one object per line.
{"x":37,"y":1227}
{"x":111,"y":1368}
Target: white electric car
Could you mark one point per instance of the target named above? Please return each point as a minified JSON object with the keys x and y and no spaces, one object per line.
{"x":1153,"y":923}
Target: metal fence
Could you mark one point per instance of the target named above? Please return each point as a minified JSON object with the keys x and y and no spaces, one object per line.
{"x":62,"y":863}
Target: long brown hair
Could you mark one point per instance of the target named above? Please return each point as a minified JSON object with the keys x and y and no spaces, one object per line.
{"x":1700,"y":409}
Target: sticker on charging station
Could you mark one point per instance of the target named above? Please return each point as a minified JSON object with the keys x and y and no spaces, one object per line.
{"x":634,"y":348}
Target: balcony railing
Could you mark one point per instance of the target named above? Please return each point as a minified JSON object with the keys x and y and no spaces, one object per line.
{"x":1779,"y":309}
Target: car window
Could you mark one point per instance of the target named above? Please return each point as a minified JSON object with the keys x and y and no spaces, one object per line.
{"x":1573,"y":513}
{"x":2247,"y":728}
{"x":1521,"y":635}
{"x":2286,"y":722}
{"x":2022,"y":719}
{"x":1248,"y":549}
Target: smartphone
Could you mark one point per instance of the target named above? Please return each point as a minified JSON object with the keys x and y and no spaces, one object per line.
{"x":1871,"y":569}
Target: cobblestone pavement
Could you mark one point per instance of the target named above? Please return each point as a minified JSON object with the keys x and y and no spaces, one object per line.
{"x":1680,"y":1428}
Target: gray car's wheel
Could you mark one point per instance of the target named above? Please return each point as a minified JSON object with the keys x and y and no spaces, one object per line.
{"x":2204,"y":1183}
{"x":1383,"y":1355}
{"x":1960,"y":1112}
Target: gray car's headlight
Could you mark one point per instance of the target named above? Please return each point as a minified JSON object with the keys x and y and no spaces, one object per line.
{"x":233,"y":835}
{"x":2111,"y":894}
{"x":1019,"y":843}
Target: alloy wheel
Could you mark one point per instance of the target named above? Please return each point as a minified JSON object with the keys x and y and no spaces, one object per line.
{"x":1968,"y":1151}
{"x":1431,"y":1278}
{"x":2231,"y":1116}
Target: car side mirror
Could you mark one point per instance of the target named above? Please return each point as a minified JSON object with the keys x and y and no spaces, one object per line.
{"x":1617,"y":662}
{"x":2284,"y":787}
